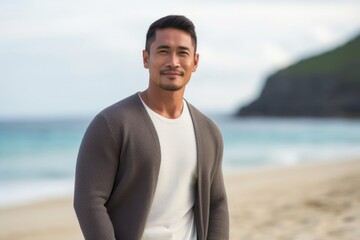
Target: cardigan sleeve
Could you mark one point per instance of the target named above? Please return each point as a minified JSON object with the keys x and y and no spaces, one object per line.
{"x":218,"y":214}
{"x":95,"y":173}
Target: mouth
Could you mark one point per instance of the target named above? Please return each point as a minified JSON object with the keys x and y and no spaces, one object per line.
{"x":171,"y":73}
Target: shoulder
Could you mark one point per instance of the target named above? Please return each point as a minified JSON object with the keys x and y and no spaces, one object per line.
{"x":126,"y":110}
{"x":123,"y":108}
{"x":120,"y":114}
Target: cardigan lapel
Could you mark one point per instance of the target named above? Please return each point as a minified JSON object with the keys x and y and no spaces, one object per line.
{"x":198,"y":210}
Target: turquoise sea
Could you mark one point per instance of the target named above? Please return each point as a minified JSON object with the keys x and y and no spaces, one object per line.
{"x":37,"y":158}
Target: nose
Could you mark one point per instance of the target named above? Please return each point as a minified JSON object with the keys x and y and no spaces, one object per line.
{"x":173,"y":61}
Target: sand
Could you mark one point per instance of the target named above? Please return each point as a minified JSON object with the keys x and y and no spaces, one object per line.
{"x":308,"y":202}
{"x":312,"y":202}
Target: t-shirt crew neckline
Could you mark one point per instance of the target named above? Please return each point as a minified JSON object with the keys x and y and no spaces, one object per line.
{"x":162,"y":118}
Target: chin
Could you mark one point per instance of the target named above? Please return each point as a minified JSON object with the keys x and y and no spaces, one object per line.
{"x":171,"y":88}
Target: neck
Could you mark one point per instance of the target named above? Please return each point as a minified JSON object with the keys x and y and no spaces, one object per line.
{"x":166,"y":103}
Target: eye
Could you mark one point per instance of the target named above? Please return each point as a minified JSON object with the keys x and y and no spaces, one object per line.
{"x":184,"y":53}
{"x":162,"y":51}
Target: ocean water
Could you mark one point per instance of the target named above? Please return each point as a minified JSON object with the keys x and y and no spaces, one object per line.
{"x":37,"y":158}
{"x":253,"y":142}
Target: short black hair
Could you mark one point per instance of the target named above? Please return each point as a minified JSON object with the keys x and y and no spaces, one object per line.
{"x":171,"y":21}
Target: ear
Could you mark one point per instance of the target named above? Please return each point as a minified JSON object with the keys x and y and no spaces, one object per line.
{"x":146,"y":59}
{"x":196,"y":62}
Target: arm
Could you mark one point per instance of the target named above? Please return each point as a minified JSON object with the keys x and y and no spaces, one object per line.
{"x":95,"y":173}
{"x":219,"y":213}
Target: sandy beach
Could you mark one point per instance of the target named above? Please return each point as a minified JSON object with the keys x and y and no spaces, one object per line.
{"x":307,"y":202}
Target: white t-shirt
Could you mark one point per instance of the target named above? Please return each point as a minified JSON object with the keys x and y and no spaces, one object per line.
{"x":171,"y":215}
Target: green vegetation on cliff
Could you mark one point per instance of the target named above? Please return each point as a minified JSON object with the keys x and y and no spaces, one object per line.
{"x":320,"y":86}
{"x":331,"y":63}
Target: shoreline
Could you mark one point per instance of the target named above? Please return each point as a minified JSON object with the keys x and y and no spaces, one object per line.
{"x":306,"y":201}
{"x":28,"y":192}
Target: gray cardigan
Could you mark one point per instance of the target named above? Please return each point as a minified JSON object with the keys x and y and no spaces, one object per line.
{"x":117,"y":170}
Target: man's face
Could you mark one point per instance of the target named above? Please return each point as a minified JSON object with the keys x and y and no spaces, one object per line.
{"x":171,"y":59}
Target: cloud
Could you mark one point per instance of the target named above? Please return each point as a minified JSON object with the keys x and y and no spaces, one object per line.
{"x":276,"y":55}
{"x":94,"y":48}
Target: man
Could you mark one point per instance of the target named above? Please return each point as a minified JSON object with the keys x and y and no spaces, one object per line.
{"x":149,"y":166}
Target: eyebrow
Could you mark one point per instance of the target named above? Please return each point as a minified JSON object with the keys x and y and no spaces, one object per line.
{"x":167,"y":47}
{"x":184,"y":48}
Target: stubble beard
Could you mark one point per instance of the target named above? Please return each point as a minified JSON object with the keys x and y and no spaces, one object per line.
{"x":171,"y":87}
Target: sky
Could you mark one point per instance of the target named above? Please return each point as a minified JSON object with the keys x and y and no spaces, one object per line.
{"x":74,"y":58}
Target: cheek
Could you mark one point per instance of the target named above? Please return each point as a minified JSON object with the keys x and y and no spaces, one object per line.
{"x":188,"y":65}
{"x":155,"y":63}
{"x":153,"y":72}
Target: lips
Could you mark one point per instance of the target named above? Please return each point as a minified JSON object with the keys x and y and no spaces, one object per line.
{"x":171,"y":73}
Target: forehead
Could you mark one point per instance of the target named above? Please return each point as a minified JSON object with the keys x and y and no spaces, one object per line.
{"x":173,"y":38}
